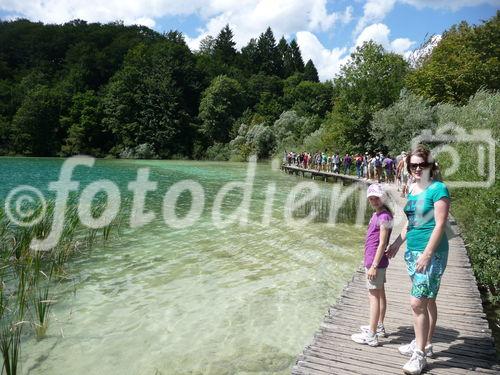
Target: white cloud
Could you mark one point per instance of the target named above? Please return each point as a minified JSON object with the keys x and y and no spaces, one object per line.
{"x":374,"y":11}
{"x":449,"y":4}
{"x":248,"y":19}
{"x":401,"y":45}
{"x":379,"y":33}
{"x":146,"y":21}
{"x":130,"y":11}
{"x":321,"y":20}
{"x":327,"y":61}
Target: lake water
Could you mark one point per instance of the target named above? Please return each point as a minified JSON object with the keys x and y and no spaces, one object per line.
{"x":198,"y":300}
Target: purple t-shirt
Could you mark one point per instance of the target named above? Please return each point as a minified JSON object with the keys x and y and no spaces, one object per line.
{"x":373,"y":238}
{"x":388,"y":163}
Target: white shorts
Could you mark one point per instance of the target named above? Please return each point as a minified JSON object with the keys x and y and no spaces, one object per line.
{"x":378,"y":282}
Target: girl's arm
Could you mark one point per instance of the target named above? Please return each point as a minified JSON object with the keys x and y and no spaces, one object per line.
{"x":383,"y":240}
{"x":394,"y":247}
{"x":441,"y":210}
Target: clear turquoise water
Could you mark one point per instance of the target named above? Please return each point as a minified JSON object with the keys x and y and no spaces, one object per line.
{"x":200,"y":300}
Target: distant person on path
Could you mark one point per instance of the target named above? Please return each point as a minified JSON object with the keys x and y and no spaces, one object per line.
{"x":347,"y":164}
{"x":312,"y":161}
{"x":402,"y":174}
{"x":426,"y":254}
{"x":371,"y":167}
{"x":324,"y":161}
{"x":306,"y":160}
{"x":365,"y":165}
{"x":336,"y":163}
{"x":388,"y":164}
{"x":359,"y":165}
{"x":376,"y":262}
{"x":378,"y":167}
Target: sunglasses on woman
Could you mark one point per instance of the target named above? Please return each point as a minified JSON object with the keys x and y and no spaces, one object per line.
{"x":414,"y":166}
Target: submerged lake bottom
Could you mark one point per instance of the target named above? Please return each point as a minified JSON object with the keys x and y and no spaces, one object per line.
{"x":204,"y":299}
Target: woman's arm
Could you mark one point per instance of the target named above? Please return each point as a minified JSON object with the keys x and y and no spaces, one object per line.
{"x":441,"y":210}
{"x":383,"y":240}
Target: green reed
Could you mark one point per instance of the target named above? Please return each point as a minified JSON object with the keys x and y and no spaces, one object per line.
{"x":28,"y":277}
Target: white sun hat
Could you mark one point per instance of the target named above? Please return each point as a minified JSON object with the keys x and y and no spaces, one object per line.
{"x":375,"y":190}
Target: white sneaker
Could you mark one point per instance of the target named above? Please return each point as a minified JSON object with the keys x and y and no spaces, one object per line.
{"x":429,"y":352}
{"x":408,"y":349}
{"x":416,"y":363}
{"x":380,"y":330}
{"x":365,"y":337}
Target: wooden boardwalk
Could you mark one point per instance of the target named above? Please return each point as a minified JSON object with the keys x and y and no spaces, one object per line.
{"x":325,"y":176}
{"x":463,"y":342}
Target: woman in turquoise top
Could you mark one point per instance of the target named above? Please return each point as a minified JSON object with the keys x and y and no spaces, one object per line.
{"x":426,"y":255}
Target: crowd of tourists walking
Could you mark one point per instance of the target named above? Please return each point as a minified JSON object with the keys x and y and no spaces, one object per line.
{"x":371,"y":166}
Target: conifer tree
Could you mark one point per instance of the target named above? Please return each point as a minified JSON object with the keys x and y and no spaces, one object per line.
{"x":298,"y":63}
{"x":286,"y":57}
{"x":310,"y":72}
{"x":268,"y":55}
{"x":224,"y":46}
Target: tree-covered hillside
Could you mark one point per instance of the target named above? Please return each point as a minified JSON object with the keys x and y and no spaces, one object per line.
{"x":110,"y":89}
{"x":128,"y":91}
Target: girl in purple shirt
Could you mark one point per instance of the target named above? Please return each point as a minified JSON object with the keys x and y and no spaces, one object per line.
{"x":376,"y":262}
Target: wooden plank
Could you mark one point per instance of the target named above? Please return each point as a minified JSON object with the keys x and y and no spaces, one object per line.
{"x":386,"y":362}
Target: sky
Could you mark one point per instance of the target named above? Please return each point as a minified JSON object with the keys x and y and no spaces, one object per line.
{"x":326,"y":31}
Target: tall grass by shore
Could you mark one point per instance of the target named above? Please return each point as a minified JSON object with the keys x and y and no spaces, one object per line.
{"x":28,"y":277}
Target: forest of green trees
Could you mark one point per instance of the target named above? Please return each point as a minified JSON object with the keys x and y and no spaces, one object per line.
{"x":111,"y":90}
{"x":130,"y":92}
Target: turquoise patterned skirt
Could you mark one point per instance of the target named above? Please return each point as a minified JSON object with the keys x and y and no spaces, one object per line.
{"x":426,"y":285}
